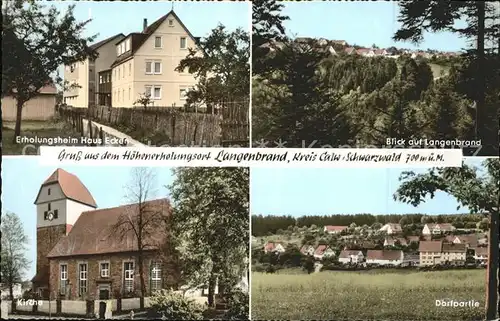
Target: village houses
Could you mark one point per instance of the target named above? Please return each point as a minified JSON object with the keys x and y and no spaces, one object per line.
{"x":139,"y":64}
{"x":384,"y":257}
{"x":332,"y":229}
{"x":323,"y":251}
{"x":351,"y":257}
{"x":439,"y":252}
{"x":436,"y":229}
{"x":274,"y":247}
{"x":391,"y":228}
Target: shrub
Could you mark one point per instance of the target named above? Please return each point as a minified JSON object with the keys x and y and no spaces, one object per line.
{"x":238,"y":304}
{"x":174,"y":306}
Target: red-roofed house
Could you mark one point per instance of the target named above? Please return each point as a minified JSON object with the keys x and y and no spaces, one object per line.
{"x":392,"y":241}
{"x":80,"y":251}
{"x":365,"y":52}
{"x":323,"y":251}
{"x":350,"y":50}
{"x":274,"y":247}
{"x":333,"y":229}
{"x":41,"y":107}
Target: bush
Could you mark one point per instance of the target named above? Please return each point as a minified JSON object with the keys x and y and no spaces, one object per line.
{"x":238,"y":304}
{"x":174,"y":306}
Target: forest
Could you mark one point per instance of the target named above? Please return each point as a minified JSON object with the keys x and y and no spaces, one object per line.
{"x":271,"y":224}
{"x":302,"y":94}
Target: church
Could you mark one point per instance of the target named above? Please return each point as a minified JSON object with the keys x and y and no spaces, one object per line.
{"x":87,"y":253}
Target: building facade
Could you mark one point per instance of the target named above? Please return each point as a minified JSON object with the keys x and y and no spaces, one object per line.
{"x":145,"y":64}
{"x":81,"y":77}
{"x":80,"y":253}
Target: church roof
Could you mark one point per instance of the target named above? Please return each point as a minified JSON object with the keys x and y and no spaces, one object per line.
{"x":104,"y":231}
{"x":71,"y":187}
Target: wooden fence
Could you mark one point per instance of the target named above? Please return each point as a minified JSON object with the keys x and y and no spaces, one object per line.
{"x":228,"y":126}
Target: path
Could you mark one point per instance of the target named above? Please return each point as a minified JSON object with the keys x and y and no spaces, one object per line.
{"x":111,"y":132}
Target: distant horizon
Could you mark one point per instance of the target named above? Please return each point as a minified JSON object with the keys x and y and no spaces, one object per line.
{"x":362,"y":23}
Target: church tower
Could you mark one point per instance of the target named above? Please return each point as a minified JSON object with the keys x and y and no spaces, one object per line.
{"x":60,"y":201}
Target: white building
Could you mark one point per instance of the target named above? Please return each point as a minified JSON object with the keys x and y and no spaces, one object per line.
{"x":351,"y":256}
{"x":391,"y":228}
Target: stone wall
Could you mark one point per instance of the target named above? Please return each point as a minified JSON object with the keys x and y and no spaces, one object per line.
{"x":115,"y":279}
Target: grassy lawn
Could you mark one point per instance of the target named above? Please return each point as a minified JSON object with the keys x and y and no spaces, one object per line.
{"x":367,"y":296}
{"x":32,"y":129}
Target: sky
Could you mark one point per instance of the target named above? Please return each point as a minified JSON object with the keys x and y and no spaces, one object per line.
{"x":22,"y":178}
{"x":358,"y":22}
{"x":299,"y":192}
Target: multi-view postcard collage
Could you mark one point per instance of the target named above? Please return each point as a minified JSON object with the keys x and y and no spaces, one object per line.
{"x":237,"y":160}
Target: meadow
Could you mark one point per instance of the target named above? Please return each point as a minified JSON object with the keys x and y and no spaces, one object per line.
{"x":370,"y":295}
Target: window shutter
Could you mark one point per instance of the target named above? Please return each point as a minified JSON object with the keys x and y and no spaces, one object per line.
{"x":55,"y":213}
{"x":45,"y":215}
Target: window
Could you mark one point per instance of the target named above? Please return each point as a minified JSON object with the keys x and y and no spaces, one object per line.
{"x":157,"y":92}
{"x":64,"y":278}
{"x":129,"y":92}
{"x":157,"y":70}
{"x":48,"y":191}
{"x":118,"y":73}
{"x":171,"y":23}
{"x":83,"y":278}
{"x":147,"y":91}
{"x":183,"y":93}
{"x":48,"y":207}
{"x":158,"y":42}
{"x":156,"y":283}
{"x":118,"y":50}
{"x":128,"y":274}
{"x":153,"y":67}
{"x":183,"y":43}
{"x":56,"y":214}
{"x":129,"y":68}
{"x":127,"y":45}
{"x":104,"y":268}
{"x":123,"y":73}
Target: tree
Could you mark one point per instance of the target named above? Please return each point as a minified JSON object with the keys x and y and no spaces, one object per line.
{"x":36,"y":41}
{"x":211,"y":222}
{"x":143,"y":221}
{"x":267,"y":29}
{"x":221,"y":66}
{"x":417,"y":17}
{"x":13,"y":253}
{"x":308,"y":264}
{"x":479,"y":192}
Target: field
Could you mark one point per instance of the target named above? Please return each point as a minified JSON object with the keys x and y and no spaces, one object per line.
{"x":373,"y":295}
{"x":32,"y":129}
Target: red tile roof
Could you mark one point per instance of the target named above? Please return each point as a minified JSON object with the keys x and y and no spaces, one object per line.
{"x":454,"y":248}
{"x":320,"y":250}
{"x":384,"y":255}
{"x":430,"y":246}
{"x":335,"y":228}
{"x":95,"y":232}
{"x":71,"y":187}
{"x":347,"y":253}
{"x":482,"y":251}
